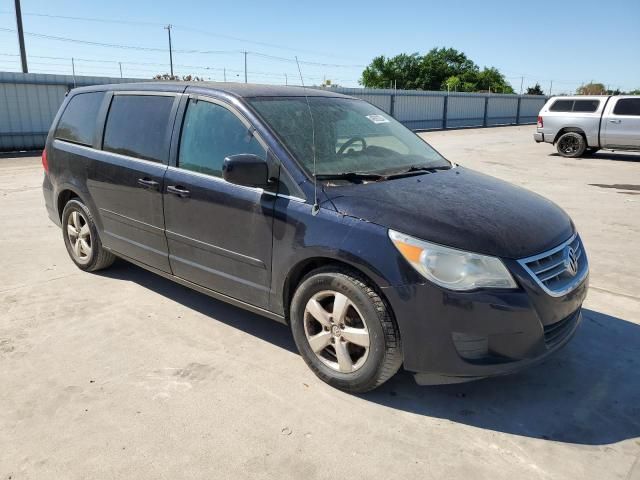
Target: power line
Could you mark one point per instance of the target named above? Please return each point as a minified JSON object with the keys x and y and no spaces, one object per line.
{"x":116,"y":45}
{"x":91,"y":19}
{"x":180,"y":27}
{"x":156,"y":49}
{"x":136,"y":67}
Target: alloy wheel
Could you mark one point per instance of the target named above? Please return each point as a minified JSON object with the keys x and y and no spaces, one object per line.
{"x":569,"y":145}
{"x":336,"y":331}
{"x":79,"y":236}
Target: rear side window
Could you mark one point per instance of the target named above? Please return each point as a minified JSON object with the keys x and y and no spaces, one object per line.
{"x":627,"y":106}
{"x":210,"y":133}
{"x":79,"y":119}
{"x":562,"y":106}
{"x":137,"y":126}
{"x":587,"y":106}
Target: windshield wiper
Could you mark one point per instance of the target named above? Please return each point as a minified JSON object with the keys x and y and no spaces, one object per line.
{"x":417,"y":170}
{"x":350,"y":176}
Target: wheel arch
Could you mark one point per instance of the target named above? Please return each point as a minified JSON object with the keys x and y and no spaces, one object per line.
{"x":307,"y":265}
{"x":63,"y":198}
{"x":564,"y":130}
{"x":69,"y":191}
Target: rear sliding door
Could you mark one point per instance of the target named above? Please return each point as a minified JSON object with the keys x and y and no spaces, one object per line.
{"x":126,"y":177}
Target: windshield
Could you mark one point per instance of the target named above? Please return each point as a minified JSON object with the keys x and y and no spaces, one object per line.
{"x":351,"y":136}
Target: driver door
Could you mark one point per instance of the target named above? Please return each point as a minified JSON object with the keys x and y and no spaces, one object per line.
{"x":219,"y":234}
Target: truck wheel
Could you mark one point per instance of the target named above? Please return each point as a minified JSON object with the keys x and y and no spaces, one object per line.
{"x":571,"y":145}
{"x":344,"y":331}
{"x":81,"y":238}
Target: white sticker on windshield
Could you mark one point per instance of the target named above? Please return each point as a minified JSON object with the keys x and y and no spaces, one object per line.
{"x":377,"y":119}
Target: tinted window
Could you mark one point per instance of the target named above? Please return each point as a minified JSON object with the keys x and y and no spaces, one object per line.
{"x":78,"y":121}
{"x":209,"y":134}
{"x":137,"y":126}
{"x":627,"y":106}
{"x":562,"y":106}
{"x":585,"y":105}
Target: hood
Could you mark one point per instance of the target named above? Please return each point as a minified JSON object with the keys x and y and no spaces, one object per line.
{"x":459,"y":208}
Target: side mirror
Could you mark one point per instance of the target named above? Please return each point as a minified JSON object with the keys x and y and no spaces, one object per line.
{"x":246,"y":169}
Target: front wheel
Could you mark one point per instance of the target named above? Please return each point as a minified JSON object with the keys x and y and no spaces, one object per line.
{"x":344,"y":330}
{"x":571,"y":145}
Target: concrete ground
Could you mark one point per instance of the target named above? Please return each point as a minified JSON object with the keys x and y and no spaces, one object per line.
{"x":124,"y":374}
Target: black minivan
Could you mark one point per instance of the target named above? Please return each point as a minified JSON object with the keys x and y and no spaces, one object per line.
{"x":323,"y":212}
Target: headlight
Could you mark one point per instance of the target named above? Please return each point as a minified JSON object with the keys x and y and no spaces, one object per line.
{"x":451,"y":268}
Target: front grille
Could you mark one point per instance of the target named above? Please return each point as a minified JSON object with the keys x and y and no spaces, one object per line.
{"x":552,"y":270}
{"x":556,"y":332}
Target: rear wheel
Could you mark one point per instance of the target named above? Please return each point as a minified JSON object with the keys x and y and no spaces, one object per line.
{"x":571,"y":145}
{"x":344,"y":330}
{"x":81,"y":238}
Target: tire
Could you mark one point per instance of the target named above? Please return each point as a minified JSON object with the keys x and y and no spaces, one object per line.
{"x":370,"y":366}
{"x":83,"y":245}
{"x":571,"y":145}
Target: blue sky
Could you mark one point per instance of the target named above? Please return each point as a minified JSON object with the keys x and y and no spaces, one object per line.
{"x":564,"y":41}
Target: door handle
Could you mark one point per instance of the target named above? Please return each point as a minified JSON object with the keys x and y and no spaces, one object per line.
{"x":179,"y":191}
{"x":613,"y":120}
{"x":148,"y":183}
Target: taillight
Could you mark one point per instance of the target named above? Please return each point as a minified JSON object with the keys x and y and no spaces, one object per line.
{"x":45,"y":164}
{"x":540,"y":122}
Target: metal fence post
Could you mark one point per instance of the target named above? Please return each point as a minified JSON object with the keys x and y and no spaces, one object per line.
{"x":518,"y":110}
{"x":444,"y":111}
{"x":486,"y":111}
{"x":392,"y":103}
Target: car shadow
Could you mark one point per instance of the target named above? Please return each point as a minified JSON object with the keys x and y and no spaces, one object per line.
{"x":606,"y":155}
{"x":588,"y":393}
{"x":261,"y":327}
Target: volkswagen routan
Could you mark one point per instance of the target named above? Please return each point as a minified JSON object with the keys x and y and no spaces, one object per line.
{"x":323,"y":212}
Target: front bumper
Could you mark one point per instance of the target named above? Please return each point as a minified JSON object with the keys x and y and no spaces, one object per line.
{"x":452,"y":337}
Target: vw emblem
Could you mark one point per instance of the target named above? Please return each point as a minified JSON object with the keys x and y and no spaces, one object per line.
{"x":571,"y":261}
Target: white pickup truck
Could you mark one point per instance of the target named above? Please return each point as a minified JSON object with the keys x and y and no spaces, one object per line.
{"x":584,"y":124}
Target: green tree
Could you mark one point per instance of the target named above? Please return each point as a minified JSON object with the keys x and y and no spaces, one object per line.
{"x":535,"y":90}
{"x":440,"y":68}
{"x":635,"y":92}
{"x":401,"y":71}
{"x":453,"y":83}
{"x":490,"y":79}
{"x":441,"y":63}
{"x":185,"y":78}
{"x":591,"y":89}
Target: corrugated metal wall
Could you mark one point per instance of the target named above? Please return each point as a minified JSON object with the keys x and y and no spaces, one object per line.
{"x":29,"y":102}
{"x":436,"y":110}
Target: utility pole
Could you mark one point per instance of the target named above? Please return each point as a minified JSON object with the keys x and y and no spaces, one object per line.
{"x":550,"y":87}
{"x":73,"y":71}
{"x":23,"y":51}
{"x":521,"y":84}
{"x":245,"y":66}
{"x":168,"y":29}
{"x":286,"y":80}
{"x":120,"y":65}
{"x":224,"y":73}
